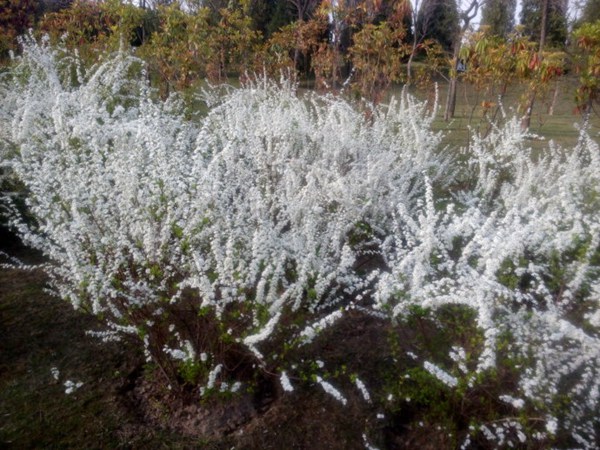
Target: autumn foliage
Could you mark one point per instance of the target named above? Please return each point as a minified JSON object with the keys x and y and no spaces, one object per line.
{"x":16,"y":16}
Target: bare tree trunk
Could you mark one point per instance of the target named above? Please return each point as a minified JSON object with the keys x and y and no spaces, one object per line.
{"x":526,"y":120}
{"x":554,"y":99}
{"x":419,"y":32}
{"x":466,"y":16}
{"x":296,"y":50}
{"x":497,"y":110}
{"x":409,"y":63}
{"x":451,"y":98}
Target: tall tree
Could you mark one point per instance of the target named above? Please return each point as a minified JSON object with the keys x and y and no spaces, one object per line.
{"x":54,"y":5}
{"x":418,"y":30}
{"x":439,"y":20}
{"x":555,"y":23}
{"x":587,"y":38}
{"x":303,"y":9}
{"x":466,"y":14}
{"x":16,"y":16}
{"x":542,"y":35}
{"x":157,"y":3}
{"x":499,"y":16}
{"x":591,"y":11}
{"x":270,"y":15}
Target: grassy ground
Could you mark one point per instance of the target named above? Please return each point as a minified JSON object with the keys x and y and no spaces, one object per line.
{"x":553,"y":118}
{"x":38,"y":333}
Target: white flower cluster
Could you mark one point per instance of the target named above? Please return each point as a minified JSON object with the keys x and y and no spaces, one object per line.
{"x":440,"y":374}
{"x":187,"y":354}
{"x":520,"y":248}
{"x":285,"y":382}
{"x":72,"y":386}
{"x":269,"y":204}
{"x":331,"y":390}
{"x":211,"y":379}
{"x":503,"y":434}
{"x":311,"y":331}
{"x":363,"y":389}
{"x":516,"y":403}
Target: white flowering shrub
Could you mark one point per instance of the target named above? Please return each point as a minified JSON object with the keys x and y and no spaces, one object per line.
{"x":226,"y":245}
{"x":221,"y":244}
{"x":520,"y":248}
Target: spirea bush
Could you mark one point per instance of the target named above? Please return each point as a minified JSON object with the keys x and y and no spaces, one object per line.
{"x":225,"y":245}
{"x":213,"y":241}
{"x":519,"y":246}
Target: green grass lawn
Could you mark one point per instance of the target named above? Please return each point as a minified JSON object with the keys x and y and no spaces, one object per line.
{"x":554,"y":116}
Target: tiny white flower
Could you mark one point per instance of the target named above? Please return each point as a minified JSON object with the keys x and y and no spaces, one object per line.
{"x":551,"y":425}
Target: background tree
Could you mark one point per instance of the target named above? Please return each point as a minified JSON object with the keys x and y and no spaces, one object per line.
{"x":497,"y":63}
{"x":544,"y":66}
{"x":54,"y":5}
{"x":399,"y":12}
{"x":158,"y":3}
{"x":16,"y":16}
{"x":591,"y":11}
{"x":499,"y":16}
{"x":415,"y":37}
{"x":439,"y":20}
{"x":269,"y":16}
{"x":232,"y":42}
{"x":95,"y":26}
{"x":376,"y":56}
{"x":179,"y":51}
{"x":587,"y":38}
{"x":556,"y":21}
{"x":87,"y":26}
{"x":467,"y":13}
{"x":303,"y":9}
{"x":531,"y":10}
